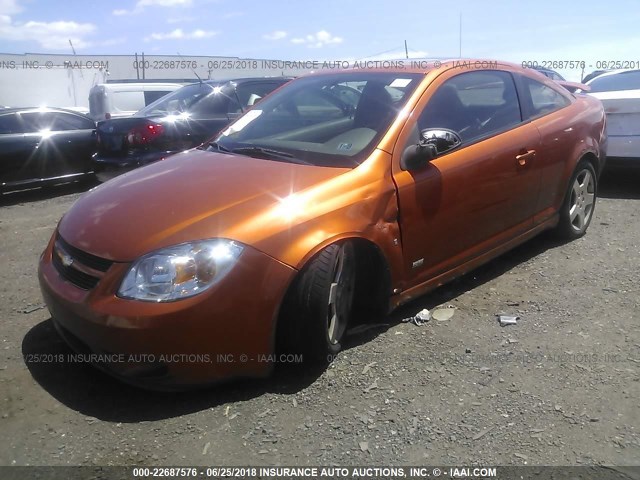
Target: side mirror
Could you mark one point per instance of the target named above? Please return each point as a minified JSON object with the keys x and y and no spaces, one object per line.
{"x":417,"y":156}
{"x":435,"y":141}
{"x":442,"y":139}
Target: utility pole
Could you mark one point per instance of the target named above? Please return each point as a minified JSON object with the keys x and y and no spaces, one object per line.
{"x":406,"y":50}
{"x":460,"y":38}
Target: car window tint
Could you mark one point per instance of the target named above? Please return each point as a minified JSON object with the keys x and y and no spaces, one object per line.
{"x":473,"y":104}
{"x":616,"y":82}
{"x":544,"y":99}
{"x":38,"y":121}
{"x":178,"y":101}
{"x":152,"y":96}
{"x":249,"y":94}
{"x":10,"y":123}
{"x":67,"y":121}
{"x":214,"y":104}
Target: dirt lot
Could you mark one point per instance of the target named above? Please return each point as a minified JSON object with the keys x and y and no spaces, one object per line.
{"x":559,"y":388}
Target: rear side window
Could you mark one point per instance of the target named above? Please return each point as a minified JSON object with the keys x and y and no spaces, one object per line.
{"x":38,"y":121}
{"x":544,"y":99}
{"x":67,"y":121}
{"x":617,"y":82}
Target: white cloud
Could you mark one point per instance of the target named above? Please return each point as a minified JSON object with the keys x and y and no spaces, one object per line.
{"x":277,"y":35}
{"x":318,"y":40}
{"x":50,"y":35}
{"x":142,"y":4}
{"x":179,"y":34}
{"x":9,"y":7}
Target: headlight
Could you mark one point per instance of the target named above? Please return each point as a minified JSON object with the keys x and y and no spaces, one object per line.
{"x":179,"y":272}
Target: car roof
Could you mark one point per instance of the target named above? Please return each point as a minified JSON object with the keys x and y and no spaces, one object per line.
{"x":42,"y":110}
{"x":400,"y":66}
{"x":241,"y":80}
{"x":614,"y":72}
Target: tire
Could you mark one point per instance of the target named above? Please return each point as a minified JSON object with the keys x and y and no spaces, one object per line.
{"x":320,"y":304}
{"x":579,"y":202}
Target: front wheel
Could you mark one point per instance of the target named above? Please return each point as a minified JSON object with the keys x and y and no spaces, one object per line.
{"x":579,"y":202}
{"x":320,"y":304}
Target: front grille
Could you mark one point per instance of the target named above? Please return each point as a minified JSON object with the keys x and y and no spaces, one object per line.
{"x":73,"y":256}
{"x":85,"y":258}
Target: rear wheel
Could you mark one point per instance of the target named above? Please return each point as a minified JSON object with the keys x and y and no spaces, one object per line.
{"x":579,"y":202}
{"x":320,"y":304}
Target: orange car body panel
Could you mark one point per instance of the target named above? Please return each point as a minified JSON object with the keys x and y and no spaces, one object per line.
{"x":430,"y":224}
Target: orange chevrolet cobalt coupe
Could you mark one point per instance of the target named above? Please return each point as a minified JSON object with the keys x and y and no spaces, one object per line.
{"x":340,"y":195}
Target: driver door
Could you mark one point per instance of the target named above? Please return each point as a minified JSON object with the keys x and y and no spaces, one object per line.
{"x":477,"y":196}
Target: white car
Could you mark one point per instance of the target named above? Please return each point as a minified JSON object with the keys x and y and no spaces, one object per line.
{"x":619,"y":92}
{"x":114,"y":100}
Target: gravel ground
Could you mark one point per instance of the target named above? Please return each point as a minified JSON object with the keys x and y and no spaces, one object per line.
{"x":559,"y":388}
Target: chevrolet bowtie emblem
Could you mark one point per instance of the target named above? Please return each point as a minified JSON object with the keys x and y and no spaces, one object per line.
{"x":65,"y":258}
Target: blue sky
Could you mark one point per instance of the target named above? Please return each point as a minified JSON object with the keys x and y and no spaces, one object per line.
{"x":327,"y":29}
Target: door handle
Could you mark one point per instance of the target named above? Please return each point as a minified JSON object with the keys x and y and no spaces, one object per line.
{"x":524,"y":157}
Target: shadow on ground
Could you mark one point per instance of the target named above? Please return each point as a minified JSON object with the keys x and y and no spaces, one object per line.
{"x":85,"y":389}
{"x":91,"y":392}
{"x":620,"y":182}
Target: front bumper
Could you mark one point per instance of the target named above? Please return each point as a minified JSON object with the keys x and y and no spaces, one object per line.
{"x":222,"y":333}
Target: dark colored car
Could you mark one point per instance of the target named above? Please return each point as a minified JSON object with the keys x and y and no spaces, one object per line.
{"x":552,"y":74}
{"x":44,"y":145}
{"x":181,"y":120}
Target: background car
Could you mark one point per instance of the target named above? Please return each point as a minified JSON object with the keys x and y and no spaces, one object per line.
{"x":594,"y":74}
{"x":547,"y":72}
{"x":115,"y":100}
{"x":40,"y":145}
{"x":178,"y":121}
{"x":310,"y":213}
{"x":619,"y":92}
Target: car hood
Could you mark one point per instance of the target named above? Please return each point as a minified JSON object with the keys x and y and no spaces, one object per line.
{"x":189,"y":196}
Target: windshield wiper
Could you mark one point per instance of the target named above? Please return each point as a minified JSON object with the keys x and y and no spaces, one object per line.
{"x":268,"y":153}
{"x":216,"y":147}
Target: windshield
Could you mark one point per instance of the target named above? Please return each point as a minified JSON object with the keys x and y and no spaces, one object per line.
{"x":616,"y":82}
{"x":178,"y":101}
{"x":325,"y":120}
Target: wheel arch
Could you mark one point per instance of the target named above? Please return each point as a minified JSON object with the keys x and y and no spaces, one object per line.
{"x":373,"y":283}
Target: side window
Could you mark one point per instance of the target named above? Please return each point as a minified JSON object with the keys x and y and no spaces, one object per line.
{"x":474,"y":104}
{"x":67,"y":121}
{"x":544,"y":99}
{"x":37,"y":121}
{"x":10,"y":123}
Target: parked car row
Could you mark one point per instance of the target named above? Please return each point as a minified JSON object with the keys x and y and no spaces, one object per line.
{"x":52,"y":145}
{"x":340,"y":197}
